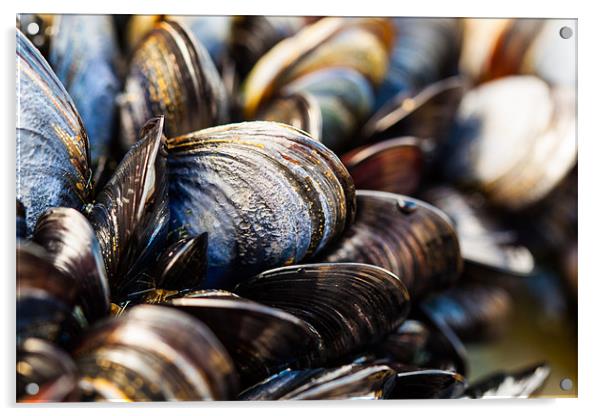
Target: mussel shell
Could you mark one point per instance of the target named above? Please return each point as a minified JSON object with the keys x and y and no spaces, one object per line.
{"x":393,"y":165}
{"x":45,"y":298}
{"x":514,"y":140}
{"x":46,"y":368}
{"x":84,"y":55}
{"x":485,"y":244}
{"x":344,"y":97}
{"x":349,"y":305}
{"x":521,"y":383}
{"x":426,"y":113}
{"x":353,"y":381}
{"x":428,"y":384}
{"x":213,"y":32}
{"x":252,"y":36}
{"x":154,"y":353}
{"x":53,"y":161}
{"x":240,"y":182}
{"x":405,"y":344}
{"x":359,"y":44}
{"x":410,"y":238}
{"x":71,"y":243}
{"x":299,"y":110}
{"x":261,"y":340}
{"x":130,"y":214}
{"x":183,"y":265}
{"x":473,"y":312}
{"x":171,"y":74}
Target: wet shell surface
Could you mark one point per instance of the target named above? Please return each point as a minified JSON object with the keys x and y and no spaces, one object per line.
{"x":172,"y":75}
{"x":410,"y":238}
{"x":261,"y":340}
{"x":393,"y":165}
{"x":71,"y":243}
{"x":53,"y":161}
{"x":154,"y":353}
{"x":130,"y":215}
{"x":321,"y":295}
{"x":267,"y":194}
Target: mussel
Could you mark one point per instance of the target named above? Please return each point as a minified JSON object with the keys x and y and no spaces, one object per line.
{"x":359,"y":44}
{"x":130,"y":214}
{"x":71,"y":243}
{"x":172,"y":75}
{"x":241,"y":183}
{"x":349,"y":305}
{"x":514,"y":140}
{"x":410,"y":238}
{"x":329,"y":103}
{"x":393,"y":165}
{"x":154,"y":353}
{"x":252,"y":36}
{"x":46,"y":298}
{"x":53,"y":160}
{"x":261,"y":340}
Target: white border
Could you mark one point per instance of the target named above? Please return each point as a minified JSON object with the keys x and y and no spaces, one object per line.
{"x":590,"y":212}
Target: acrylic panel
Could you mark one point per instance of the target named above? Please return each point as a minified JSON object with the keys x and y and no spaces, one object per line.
{"x":295,"y":208}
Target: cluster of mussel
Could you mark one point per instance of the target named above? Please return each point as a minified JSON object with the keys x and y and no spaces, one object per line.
{"x":215,"y":208}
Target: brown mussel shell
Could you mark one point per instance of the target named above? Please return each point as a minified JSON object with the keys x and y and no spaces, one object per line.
{"x":321,"y":295}
{"x":71,"y":243}
{"x":393,"y":165}
{"x":46,"y":297}
{"x":183,"y":265}
{"x":261,"y":340}
{"x":240,"y":183}
{"x":154,"y":353}
{"x":410,"y":238}
{"x":172,"y":75}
